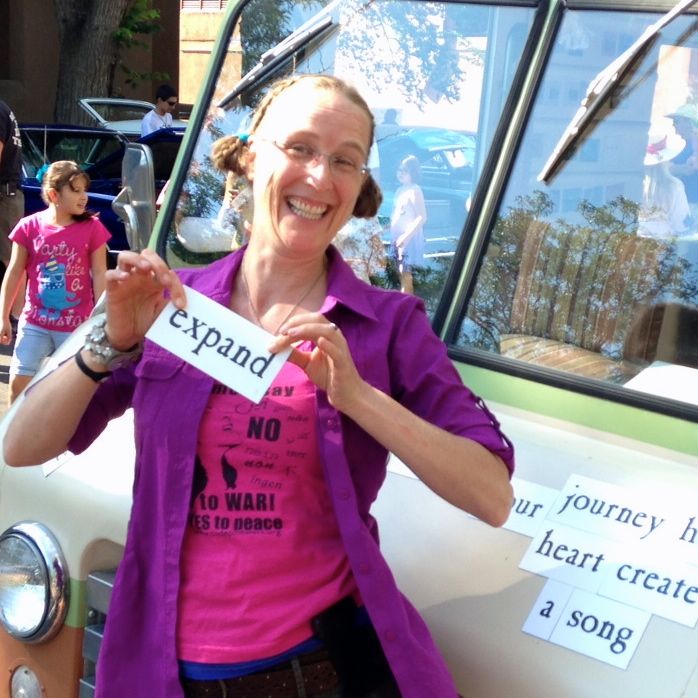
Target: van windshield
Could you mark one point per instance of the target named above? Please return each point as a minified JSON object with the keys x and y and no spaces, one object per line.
{"x":436,"y":76}
{"x":595,"y":273}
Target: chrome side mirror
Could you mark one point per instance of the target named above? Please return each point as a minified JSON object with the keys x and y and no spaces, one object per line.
{"x":135,"y":203}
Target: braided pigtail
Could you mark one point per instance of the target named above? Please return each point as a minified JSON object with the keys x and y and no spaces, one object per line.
{"x":369,"y":200}
{"x":228,"y":154}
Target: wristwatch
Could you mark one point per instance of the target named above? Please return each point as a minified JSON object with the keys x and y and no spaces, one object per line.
{"x":97,"y":343}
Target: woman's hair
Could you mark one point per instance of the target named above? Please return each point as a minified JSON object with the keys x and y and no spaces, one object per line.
{"x":411,"y":165}
{"x":228,"y":153}
{"x":62,"y":173}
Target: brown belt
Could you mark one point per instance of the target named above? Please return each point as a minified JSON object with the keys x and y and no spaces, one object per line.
{"x":307,"y":676}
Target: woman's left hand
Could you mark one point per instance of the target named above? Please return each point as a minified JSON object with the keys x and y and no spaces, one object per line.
{"x":329,"y":364}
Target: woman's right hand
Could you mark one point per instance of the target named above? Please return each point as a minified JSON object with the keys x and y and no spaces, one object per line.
{"x":136,"y":291}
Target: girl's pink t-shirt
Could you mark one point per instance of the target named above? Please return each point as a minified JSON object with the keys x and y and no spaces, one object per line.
{"x":59,"y":282}
{"x":262,"y":552}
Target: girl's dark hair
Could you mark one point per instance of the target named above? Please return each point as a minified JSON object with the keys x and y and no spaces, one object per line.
{"x":228,"y":153}
{"x":60,"y":174}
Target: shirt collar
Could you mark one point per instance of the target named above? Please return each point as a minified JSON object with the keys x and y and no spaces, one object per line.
{"x":343,"y":286}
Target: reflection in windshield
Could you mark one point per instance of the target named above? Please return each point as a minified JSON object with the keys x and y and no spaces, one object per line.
{"x":421,"y":68}
{"x":596,"y":273}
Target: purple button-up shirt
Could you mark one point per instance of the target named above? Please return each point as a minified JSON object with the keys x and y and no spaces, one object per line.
{"x":395,"y":350}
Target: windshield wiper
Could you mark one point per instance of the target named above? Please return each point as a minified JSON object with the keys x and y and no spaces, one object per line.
{"x":274,"y":57}
{"x":601,"y":87}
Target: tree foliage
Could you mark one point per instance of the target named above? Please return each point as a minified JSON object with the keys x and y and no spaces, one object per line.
{"x":140,"y":20}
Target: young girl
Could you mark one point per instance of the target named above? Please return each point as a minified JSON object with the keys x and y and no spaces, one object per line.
{"x":407,"y":221}
{"x":63,"y":252}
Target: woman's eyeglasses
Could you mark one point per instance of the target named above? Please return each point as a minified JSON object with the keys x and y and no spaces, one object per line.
{"x":341,"y":165}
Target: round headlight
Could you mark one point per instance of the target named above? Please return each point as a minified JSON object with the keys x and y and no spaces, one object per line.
{"x":33,"y":583}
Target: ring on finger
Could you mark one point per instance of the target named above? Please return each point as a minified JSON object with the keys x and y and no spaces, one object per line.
{"x":333,"y":326}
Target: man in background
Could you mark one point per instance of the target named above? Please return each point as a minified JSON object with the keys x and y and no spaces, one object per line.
{"x":11,"y":196}
{"x":161,"y":116}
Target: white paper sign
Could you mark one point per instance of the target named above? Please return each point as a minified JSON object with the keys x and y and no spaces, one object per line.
{"x":656,"y":584}
{"x":605,"y":630}
{"x":573,"y":557}
{"x":547,"y":610}
{"x":532,"y":504}
{"x":610,"y":511}
{"x":220,"y":343}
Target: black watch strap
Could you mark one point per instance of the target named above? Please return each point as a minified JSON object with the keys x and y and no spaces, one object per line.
{"x":96,"y":376}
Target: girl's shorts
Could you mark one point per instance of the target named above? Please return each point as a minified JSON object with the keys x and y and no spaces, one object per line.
{"x":32,"y":345}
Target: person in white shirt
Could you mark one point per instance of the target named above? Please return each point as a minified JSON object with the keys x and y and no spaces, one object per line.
{"x":161,"y":116}
{"x":664,"y":212}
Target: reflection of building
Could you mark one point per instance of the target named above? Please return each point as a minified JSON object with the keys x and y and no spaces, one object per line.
{"x":607,"y":162}
{"x":28,"y":76}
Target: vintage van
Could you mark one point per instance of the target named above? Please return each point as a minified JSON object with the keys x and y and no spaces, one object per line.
{"x":566,"y":289}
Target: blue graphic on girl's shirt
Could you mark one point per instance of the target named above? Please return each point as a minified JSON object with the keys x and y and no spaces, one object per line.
{"x":53,"y":295}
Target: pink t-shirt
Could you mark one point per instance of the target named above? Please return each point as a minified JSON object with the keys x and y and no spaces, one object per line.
{"x":262,"y":553}
{"x":59,"y":283}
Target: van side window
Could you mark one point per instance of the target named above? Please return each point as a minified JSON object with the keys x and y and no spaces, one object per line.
{"x":595,"y":273}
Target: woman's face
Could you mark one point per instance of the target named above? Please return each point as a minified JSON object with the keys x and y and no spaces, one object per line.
{"x":305,"y":163}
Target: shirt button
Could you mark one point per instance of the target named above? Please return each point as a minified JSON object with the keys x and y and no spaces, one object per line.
{"x":343,"y":494}
{"x":332,"y":423}
{"x":391,"y":635}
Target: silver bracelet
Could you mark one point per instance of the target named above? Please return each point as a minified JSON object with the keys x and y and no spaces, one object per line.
{"x":97,"y":343}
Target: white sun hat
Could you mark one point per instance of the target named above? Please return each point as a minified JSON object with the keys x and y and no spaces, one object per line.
{"x":662,"y":146}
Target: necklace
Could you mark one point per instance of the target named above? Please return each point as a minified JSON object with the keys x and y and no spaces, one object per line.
{"x":258,"y":319}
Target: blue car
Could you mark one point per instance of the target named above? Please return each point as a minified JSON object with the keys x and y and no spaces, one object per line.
{"x":100,"y":153}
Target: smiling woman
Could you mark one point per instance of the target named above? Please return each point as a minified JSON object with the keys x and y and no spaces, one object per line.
{"x":277,"y":596}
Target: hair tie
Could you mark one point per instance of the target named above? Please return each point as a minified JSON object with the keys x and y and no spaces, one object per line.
{"x":41,"y":172}
{"x":242,"y":137}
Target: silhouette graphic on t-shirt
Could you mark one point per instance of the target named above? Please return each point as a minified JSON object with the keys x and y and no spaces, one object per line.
{"x":230,"y":474}
{"x":200,"y":479}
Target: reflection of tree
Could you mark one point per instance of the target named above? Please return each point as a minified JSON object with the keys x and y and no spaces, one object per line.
{"x":490,"y":306}
{"x":618,"y":216}
{"x":567,"y":246}
{"x":203,"y":191}
{"x":417,"y":47}
{"x":428,"y":281}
